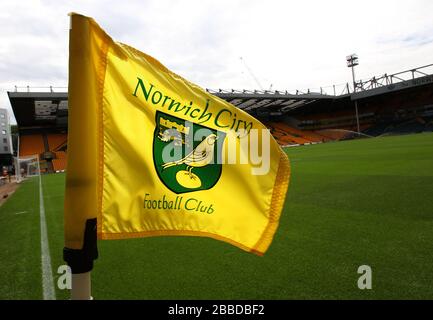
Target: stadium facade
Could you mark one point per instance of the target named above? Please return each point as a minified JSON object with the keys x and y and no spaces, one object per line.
{"x":42,"y":119}
{"x":400,"y":103}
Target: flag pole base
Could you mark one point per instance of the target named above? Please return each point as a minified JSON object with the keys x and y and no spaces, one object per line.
{"x":81,"y":262}
{"x":81,"y":286}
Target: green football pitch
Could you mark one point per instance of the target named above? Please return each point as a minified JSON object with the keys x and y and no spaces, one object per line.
{"x":362,"y":202}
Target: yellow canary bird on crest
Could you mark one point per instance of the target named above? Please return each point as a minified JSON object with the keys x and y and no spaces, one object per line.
{"x":201,"y":156}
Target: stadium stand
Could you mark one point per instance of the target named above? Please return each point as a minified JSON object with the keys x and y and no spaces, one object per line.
{"x":31,"y":145}
{"x":60,"y":162}
{"x":429,"y":124}
{"x":334,"y":134}
{"x":401,"y":103}
{"x":411,"y":126}
{"x":56,"y":140}
{"x":283,"y":136}
{"x":396,"y":128}
{"x":378,"y":129}
{"x":42,"y":126}
{"x":60,"y":154}
{"x":286,"y":134}
{"x":59,"y":165}
{"x":46,"y":146}
{"x":307,"y":135}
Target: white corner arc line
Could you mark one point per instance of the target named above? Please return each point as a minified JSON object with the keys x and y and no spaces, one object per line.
{"x":47,"y":273}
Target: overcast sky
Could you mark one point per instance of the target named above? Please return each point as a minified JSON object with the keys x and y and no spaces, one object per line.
{"x":287,"y":44}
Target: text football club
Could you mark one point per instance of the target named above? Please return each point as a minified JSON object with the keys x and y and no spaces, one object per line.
{"x":190,"y":204}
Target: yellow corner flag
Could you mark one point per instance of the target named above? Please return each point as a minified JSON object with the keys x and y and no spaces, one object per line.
{"x":151,"y":154}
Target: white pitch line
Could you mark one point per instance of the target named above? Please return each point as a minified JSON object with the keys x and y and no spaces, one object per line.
{"x":47,"y":274}
{"x":21,"y":212}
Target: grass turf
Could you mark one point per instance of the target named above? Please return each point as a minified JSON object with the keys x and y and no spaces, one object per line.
{"x":349,"y":204}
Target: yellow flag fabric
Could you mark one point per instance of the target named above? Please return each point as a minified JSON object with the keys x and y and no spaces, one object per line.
{"x":124,"y":108}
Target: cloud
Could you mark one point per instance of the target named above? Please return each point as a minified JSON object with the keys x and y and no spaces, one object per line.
{"x":291,"y":45}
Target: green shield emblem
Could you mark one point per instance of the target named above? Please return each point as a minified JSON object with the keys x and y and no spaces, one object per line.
{"x":187,"y":156}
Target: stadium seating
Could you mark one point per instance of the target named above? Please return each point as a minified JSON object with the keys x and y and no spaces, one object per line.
{"x":43,"y":144}
{"x":56,"y":140}
{"x":378,"y":129}
{"x":285,"y":138}
{"x":412,"y":126}
{"x":60,"y":164}
{"x":288,"y":135}
{"x":334,"y":134}
{"x":429,"y":125}
{"x":31,"y":145}
{"x":402,"y":127}
{"x":60,"y":155}
{"x":306,"y":135}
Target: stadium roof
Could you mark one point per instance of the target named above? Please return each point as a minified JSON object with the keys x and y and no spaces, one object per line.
{"x":50,"y":109}
{"x":274,"y":103}
{"x":40,"y":109}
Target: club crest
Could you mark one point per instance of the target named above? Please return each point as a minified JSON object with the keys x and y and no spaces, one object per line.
{"x":187,"y":156}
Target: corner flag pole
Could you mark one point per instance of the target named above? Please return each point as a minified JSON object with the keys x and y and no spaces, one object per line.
{"x":81,"y":263}
{"x":81,"y":286}
{"x":80,"y":260}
